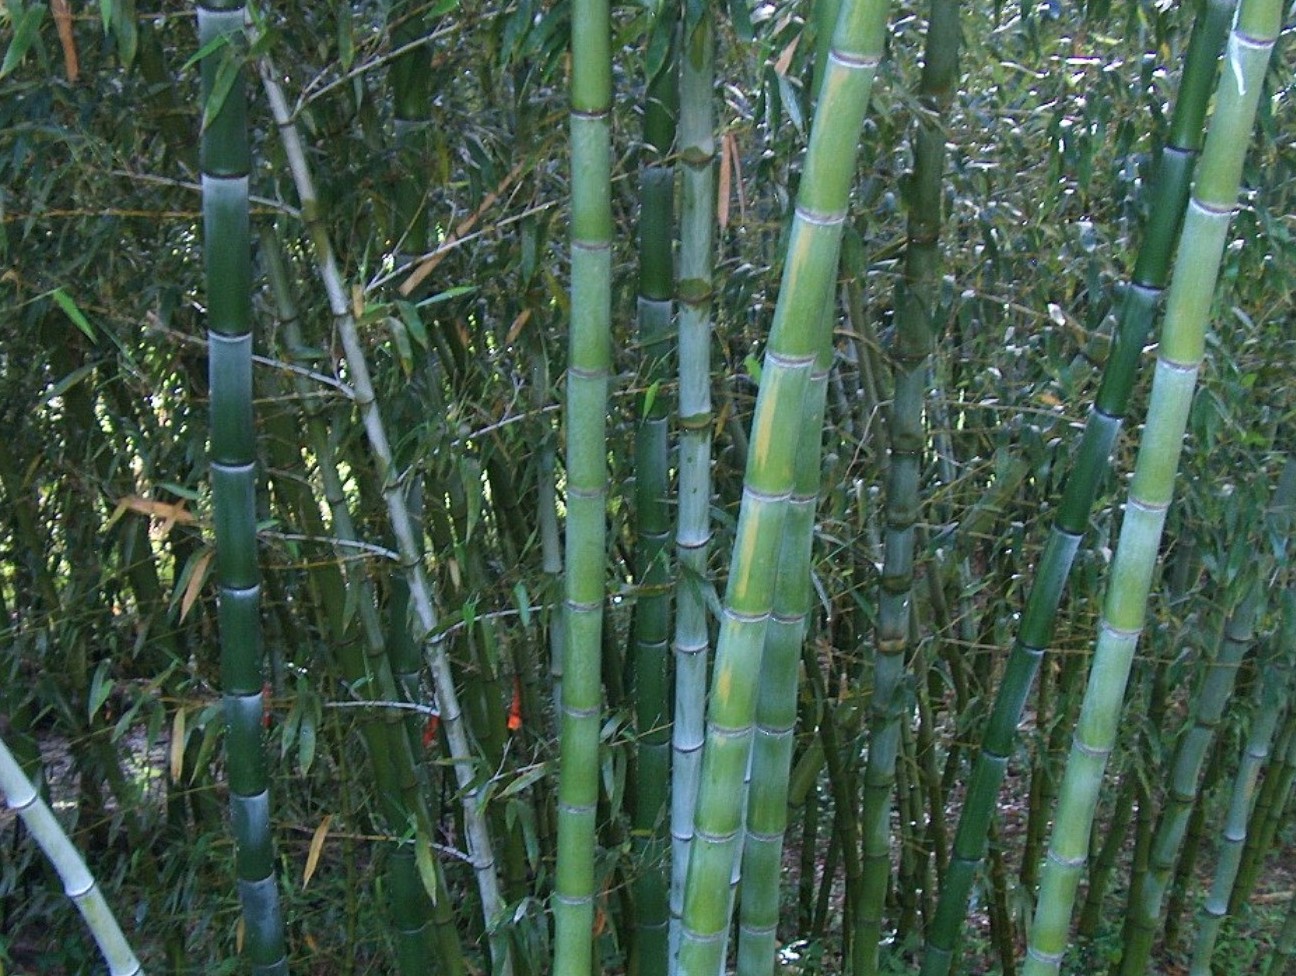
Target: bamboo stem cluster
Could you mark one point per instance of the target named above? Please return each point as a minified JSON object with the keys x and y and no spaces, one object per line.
{"x":1179,"y":357}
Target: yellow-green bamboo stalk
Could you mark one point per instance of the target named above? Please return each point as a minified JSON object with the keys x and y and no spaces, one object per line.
{"x":795,"y":340}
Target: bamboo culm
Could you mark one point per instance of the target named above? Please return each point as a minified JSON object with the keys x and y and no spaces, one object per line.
{"x":1179,"y":357}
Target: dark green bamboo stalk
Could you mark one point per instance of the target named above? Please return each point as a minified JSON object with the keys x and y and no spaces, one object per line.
{"x":1180,"y":351}
{"x":652,"y":630}
{"x":368,"y":674}
{"x":1104,"y":421}
{"x":1285,"y":949}
{"x":1271,"y":697}
{"x":693,"y":526}
{"x":795,"y":340}
{"x":588,"y":365}
{"x":480,"y":848}
{"x":1189,"y":758}
{"x":916,"y":300}
{"x":227,"y":248}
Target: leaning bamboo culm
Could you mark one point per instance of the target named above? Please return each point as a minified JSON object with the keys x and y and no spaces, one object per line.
{"x":588,"y":366}
{"x":480,"y":849}
{"x":916,"y":299}
{"x":79,"y":884}
{"x":1090,"y":466}
{"x":1179,"y":357}
{"x":227,"y":253}
{"x":794,"y":343}
{"x":776,"y":701}
{"x":693,"y":523}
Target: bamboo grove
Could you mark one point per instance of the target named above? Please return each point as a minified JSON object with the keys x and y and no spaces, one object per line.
{"x":666,"y":488}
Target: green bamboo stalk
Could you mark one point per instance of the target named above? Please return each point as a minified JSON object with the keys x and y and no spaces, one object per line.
{"x":652,"y":628}
{"x":1271,"y":805}
{"x":588,"y":366}
{"x":368,"y":673}
{"x":1285,"y":948}
{"x":411,"y":109}
{"x":916,"y":300}
{"x":79,"y":884}
{"x":1039,"y":616}
{"x":480,"y":849}
{"x":795,"y":340}
{"x":693,"y":526}
{"x":1271,"y":696}
{"x":1179,"y":356}
{"x":776,"y":702}
{"x":1189,"y":758}
{"x":226,"y":163}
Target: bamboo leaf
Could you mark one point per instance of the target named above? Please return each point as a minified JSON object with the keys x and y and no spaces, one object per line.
{"x":524,"y":779}
{"x":195,"y":584}
{"x":227,"y":74}
{"x":69,"y":381}
{"x":426,"y":866}
{"x":177,"y":744}
{"x":26,"y":27}
{"x":315,"y":849}
{"x":69,"y":306}
{"x":101,"y":687}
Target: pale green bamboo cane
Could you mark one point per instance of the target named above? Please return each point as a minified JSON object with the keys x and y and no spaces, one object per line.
{"x":776,"y":704}
{"x":480,"y":849}
{"x":1179,"y":357}
{"x":693,"y":528}
{"x":588,"y":366}
{"x":79,"y":884}
{"x":795,"y":340}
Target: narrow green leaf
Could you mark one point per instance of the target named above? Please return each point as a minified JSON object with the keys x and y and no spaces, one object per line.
{"x":220,"y":41}
{"x":426,"y":866}
{"x":448,"y":294}
{"x":101,"y":687}
{"x":26,"y":26}
{"x":226,"y":74}
{"x":70,"y":309}
{"x":69,"y":381}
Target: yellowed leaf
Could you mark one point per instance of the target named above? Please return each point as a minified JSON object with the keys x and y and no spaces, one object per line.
{"x":726,"y":181}
{"x":515,"y":329}
{"x":316,"y":847}
{"x":177,"y":744}
{"x":785,"y":59}
{"x":196,"y":580}
{"x":240,"y":930}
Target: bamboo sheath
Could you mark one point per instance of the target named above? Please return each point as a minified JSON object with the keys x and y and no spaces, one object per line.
{"x":795,"y":341}
{"x":480,"y":850}
{"x":1179,"y":356}
{"x":1092,"y":460}
{"x":227,"y":253}
{"x":588,"y":367}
